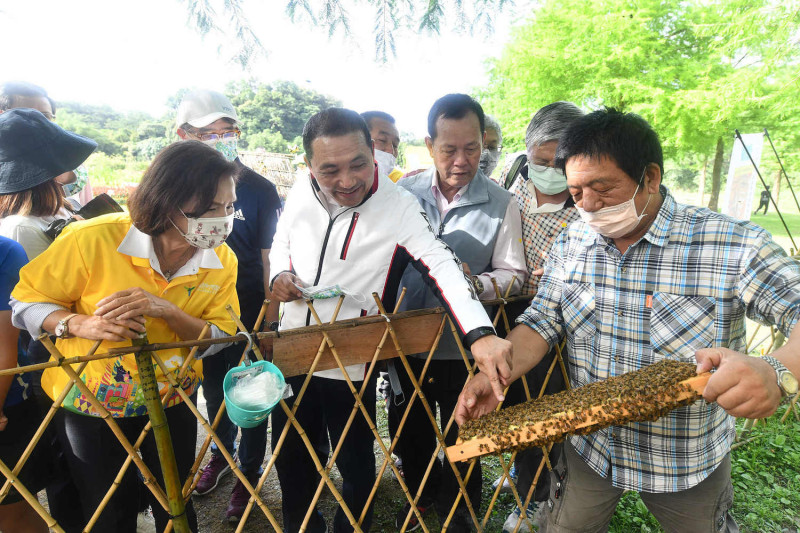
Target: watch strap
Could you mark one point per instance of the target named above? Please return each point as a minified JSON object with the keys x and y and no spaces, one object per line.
{"x":63,"y":325}
{"x":785,"y":377}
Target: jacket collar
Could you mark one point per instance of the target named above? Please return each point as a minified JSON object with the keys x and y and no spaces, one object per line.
{"x":476,"y":193}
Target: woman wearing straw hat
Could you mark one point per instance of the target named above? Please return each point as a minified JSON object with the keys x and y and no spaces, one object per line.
{"x":160,"y":270}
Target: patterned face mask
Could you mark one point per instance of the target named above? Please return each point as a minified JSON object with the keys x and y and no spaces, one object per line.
{"x":208,"y":232}
{"x":227,"y":147}
{"x":320,"y":292}
{"x":81,"y":179}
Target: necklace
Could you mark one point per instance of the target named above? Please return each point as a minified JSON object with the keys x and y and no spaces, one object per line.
{"x":169,"y":272}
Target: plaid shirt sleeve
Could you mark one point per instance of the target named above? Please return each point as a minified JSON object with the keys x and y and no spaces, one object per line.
{"x":544,"y":313}
{"x":769,"y":286}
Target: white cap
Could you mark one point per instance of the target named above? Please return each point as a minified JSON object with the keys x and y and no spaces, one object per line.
{"x":201,"y":108}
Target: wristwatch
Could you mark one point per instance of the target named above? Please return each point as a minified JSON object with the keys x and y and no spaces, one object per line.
{"x":62,"y":328}
{"x":786,"y":380}
{"x":477,"y":284}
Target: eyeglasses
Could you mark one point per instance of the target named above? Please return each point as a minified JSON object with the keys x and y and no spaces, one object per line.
{"x":224,"y":136}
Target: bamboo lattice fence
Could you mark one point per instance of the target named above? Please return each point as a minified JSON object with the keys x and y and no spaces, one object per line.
{"x":303,"y":351}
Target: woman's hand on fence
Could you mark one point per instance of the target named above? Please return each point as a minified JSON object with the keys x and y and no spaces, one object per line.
{"x":476,"y":399}
{"x":3,"y":421}
{"x":132,"y":303}
{"x":283,"y":288}
{"x":98,"y":328}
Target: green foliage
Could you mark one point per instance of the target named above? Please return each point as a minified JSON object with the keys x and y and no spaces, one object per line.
{"x":281,"y":109}
{"x":148,"y":148}
{"x":114,"y":171}
{"x":694,"y":70}
{"x":766,"y":474}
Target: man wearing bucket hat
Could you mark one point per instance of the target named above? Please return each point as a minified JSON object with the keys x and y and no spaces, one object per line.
{"x":209,"y":116}
{"x":33,"y":151}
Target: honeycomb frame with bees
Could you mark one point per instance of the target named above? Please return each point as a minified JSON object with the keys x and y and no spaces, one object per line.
{"x":644,"y":395}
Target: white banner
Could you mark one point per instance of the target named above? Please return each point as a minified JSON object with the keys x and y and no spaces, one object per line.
{"x":742,"y":177}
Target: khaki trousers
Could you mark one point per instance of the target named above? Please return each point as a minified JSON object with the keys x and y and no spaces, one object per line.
{"x":583,"y":501}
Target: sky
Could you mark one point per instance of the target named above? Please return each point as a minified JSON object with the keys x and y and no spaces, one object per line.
{"x":134,"y":55}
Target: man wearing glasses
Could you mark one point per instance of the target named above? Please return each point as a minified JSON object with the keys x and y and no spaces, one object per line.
{"x":209,"y":117}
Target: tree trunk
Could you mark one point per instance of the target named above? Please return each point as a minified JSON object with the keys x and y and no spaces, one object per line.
{"x":776,"y":189}
{"x":716,"y":176}
{"x":702,"y":195}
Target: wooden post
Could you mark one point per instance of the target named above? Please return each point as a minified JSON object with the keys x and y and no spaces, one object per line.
{"x":158,"y":421}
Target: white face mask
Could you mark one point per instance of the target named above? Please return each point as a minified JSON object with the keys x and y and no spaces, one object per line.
{"x":489,"y":160}
{"x":386,"y":162}
{"x":227,"y":147}
{"x":548,"y":180}
{"x":617,"y":220}
{"x":208,"y":232}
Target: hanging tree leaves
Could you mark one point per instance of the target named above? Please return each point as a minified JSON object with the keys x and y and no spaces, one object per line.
{"x":392,"y":18}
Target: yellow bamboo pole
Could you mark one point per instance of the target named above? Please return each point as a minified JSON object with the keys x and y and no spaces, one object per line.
{"x":426,"y":406}
{"x":332,"y":460}
{"x":187,"y":363}
{"x":51,"y":413}
{"x":148,"y":479}
{"x":30,"y":498}
{"x":162,"y":436}
{"x":387,"y":458}
{"x":193,"y":408}
{"x":285,"y":430}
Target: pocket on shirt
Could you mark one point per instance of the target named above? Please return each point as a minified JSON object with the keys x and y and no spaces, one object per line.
{"x":577,"y":308}
{"x":681,"y":325}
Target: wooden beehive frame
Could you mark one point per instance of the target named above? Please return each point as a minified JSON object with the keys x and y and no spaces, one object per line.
{"x":560,"y":425}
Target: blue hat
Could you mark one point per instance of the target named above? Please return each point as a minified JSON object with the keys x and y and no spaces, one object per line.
{"x":34,"y":150}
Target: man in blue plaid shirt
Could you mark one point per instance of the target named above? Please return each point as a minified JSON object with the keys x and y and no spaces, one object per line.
{"x":638,"y":279}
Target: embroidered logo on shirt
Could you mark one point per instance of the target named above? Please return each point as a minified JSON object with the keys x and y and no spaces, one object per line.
{"x":238,"y":215}
{"x":208,"y":288}
{"x":189,"y":291}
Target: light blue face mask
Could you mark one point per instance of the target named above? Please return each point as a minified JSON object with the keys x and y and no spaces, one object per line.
{"x":548,"y":180}
{"x":320,"y":292}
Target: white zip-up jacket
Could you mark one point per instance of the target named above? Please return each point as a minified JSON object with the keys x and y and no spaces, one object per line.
{"x":365,"y":249}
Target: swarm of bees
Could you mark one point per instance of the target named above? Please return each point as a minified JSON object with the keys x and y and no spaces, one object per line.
{"x":644,"y":395}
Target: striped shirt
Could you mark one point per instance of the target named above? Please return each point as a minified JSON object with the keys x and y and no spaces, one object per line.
{"x":687,"y":284}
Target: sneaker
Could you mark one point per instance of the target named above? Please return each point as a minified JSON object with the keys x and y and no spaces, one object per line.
{"x":239,"y":498}
{"x":506,"y":480}
{"x":413,"y":522}
{"x":528,"y":521}
{"x":214,"y":471}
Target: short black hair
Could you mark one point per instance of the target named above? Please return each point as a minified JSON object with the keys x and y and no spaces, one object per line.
{"x":454,"y":106}
{"x":10,"y":89}
{"x":625,"y":138}
{"x":333,"y":122}
{"x":369,"y":116}
{"x":183,"y":171}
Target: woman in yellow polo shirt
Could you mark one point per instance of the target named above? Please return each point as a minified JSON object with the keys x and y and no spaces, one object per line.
{"x":159,"y":270}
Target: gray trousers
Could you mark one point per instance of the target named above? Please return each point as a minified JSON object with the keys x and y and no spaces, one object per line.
{"x":583,"y":501}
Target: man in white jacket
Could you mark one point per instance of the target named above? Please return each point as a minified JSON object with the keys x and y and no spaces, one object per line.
{"x":349,"y":226}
